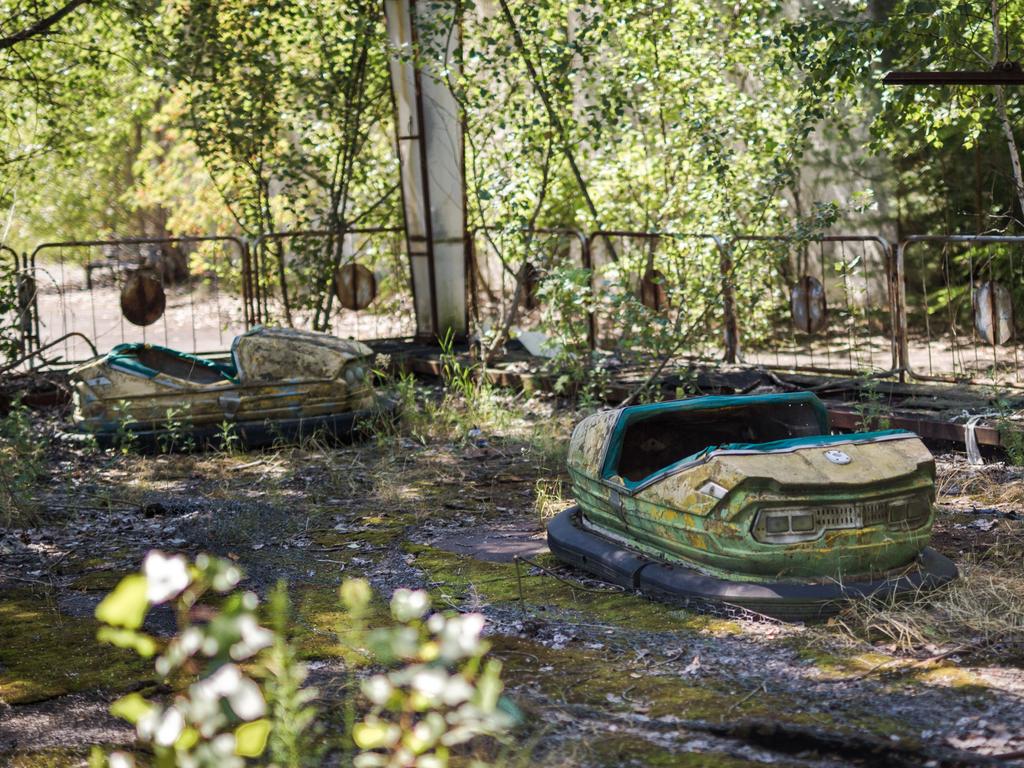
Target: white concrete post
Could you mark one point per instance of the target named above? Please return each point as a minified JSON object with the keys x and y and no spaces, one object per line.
{"x":424,"y":38}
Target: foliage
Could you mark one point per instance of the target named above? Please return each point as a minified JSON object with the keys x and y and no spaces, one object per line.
{"x":442,"y":693}
{"x":219,"y":719}
{"x":21,"y":462}
{"x":247,"y":698}
{"x":947,"y":143}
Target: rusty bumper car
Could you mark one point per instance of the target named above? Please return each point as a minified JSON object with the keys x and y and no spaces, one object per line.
{"x":280,"y":384}
{"x":749,"y":502}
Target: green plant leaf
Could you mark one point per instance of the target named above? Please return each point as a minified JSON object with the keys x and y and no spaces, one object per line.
{"x":126,"y":606}
{"x":141,"y":643}
{"x":251,"y":738}
{"x":131,"y":707}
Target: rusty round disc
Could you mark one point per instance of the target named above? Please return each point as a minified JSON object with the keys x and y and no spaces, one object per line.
{"x":355,"y":286}
{"x":993,"y":312}
{"x":531,"y":282}
{"x":652,"y":290}
{"x":142,"y":299}
{"x":807,"y":305}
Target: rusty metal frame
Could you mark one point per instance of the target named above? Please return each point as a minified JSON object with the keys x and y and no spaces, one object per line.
{"x":888,"y":257}
{"x":901,"y":299}
{"x":566,"y":232}
{"x":259,"y":243}
{"x":243,"y":251}
{"x":25,"y":316}
{"x":725,"y":262}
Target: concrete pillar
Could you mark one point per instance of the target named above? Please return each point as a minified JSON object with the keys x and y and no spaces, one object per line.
{"x":424,"y":38}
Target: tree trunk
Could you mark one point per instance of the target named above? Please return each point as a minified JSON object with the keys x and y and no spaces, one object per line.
{"x":1004,"y":118}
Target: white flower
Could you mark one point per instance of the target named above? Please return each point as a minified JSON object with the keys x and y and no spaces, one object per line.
{"x":254,"y":638}
{"x":229,"y":683}
{"x":430,"y":684}
{"x":461,"y":636}
{"x":457,"y":690}
{"x":169,"y":728}
{"x":409,"y":604}
{"x":378,"y":689}
{"x":121,"y":760}
{"x":166,"y":577}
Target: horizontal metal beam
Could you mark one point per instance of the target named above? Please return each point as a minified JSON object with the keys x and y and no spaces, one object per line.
{"x":962,"y":77}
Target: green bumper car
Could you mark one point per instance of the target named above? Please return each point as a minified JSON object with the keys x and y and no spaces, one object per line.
{"x":749,"y":502}
{"x":281,"y":384}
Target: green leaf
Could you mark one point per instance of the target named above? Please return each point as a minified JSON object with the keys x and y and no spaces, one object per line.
{"x":141,"y":643}
{"x":251,"y":738}
{"x":131,"y":707}
{"x":126,"y":606}
{"x":373,"y":733}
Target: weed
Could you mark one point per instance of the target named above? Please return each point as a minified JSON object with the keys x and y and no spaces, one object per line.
{"x":1011,"y":436}
{"x":176,"y":435}
{"x":227,"y":438}
{"x":549,"y":499}
{"x":872,"y":410}
{"x":21,"y":463}
{"x":124,"y":437}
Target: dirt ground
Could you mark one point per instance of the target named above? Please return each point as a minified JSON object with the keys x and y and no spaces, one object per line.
{"x":605,"y":678}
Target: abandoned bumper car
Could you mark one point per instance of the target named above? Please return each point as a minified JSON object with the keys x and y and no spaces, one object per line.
{"x":280,"y":384}
{"x":749,"y":502}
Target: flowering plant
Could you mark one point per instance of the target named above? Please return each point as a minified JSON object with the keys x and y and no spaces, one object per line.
{"x":218,"y":720}
{"x":441,"y":692}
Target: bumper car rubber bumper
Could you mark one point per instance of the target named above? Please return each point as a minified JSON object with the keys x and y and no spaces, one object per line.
{"x":785,"y":600}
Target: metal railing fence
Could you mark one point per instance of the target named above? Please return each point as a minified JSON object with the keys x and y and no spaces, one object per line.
{"x":931,"y":308}
{"x":298,"y":272}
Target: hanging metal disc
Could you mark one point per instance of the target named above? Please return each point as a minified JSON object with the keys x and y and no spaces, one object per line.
{"x":531,"y":282}
{"x":993,"y":312}
{"x":142,"y":298}
{"x":652,"y":290}
{"x":808,"y":306}
{"x":355,"y":286}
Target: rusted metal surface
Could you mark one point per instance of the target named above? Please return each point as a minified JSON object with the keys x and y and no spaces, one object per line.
{"x":993,"y":312}
{"x":355,"y":286}
{"x":275,"y":374}
{"x":808,"y":305}
{"x":142,"y":298}
{"x":1007,"y":76}
{"x":845,"y":416}
{"x":701,"y":511}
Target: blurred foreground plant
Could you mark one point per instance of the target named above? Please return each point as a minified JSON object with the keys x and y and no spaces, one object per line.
{"x":440,"y":693}
{"x":248,"y":703}
{"x":219,"y":719}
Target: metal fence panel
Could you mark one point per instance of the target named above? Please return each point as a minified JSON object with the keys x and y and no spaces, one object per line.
{"x":665,"y":294}
{"x":297,"y":274}
{"x":498,"y":258}
{"x":960,"y":301}
{"x":79,"y":289}
{"x":823,"y":304}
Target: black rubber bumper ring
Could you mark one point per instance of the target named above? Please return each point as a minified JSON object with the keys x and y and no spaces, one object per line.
{"x":787,"y":600}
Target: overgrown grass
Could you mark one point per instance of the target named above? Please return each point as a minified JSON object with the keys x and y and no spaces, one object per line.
{"x":980,"y":613}
{"x":21,"y":463}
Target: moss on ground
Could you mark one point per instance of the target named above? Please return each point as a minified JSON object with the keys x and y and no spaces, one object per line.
{"x":455,"y":576}
{"x":46,"y":758}
{"x":45,"y":654}
{"x":628,"y":752}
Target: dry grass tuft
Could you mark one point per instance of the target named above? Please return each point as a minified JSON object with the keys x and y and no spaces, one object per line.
{"x":983,"y":610}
